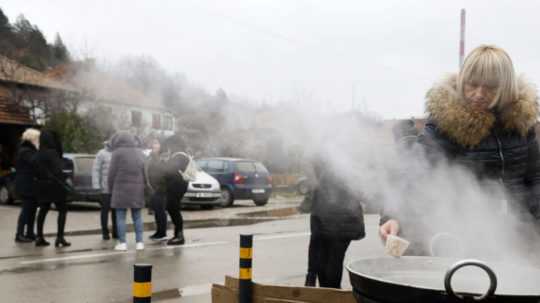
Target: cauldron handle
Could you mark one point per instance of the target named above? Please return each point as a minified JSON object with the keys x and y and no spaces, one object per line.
{"x":450,"y":273}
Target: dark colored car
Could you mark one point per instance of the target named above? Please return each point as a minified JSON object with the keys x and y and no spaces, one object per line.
{"x":78,"y":172}
{"x":239,"y":179}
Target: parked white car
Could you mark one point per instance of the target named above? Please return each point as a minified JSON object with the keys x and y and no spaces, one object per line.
{"x":204,"y":191}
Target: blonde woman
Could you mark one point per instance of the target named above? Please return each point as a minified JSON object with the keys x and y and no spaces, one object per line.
{"x":483,"y":118}
{"x":24,"y":185}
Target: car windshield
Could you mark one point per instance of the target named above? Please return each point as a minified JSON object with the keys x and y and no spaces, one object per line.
{"x":201,"y":164}
{"x":216,"y":166}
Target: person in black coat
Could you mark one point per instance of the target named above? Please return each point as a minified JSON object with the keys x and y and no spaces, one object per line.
{"x":155,"y":167}
{"x":336,"y":219}
{"x":50,"y":186}
{"x":24,"y":185}
{"x":176,"y":187}
{"x":483,"y":119}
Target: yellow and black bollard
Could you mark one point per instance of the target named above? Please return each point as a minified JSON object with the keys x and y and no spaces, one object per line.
{"x":246,"y":255}
{"x":142,"y":283}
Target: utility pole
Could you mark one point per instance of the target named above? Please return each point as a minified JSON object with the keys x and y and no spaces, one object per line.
{"x":462,"y":39}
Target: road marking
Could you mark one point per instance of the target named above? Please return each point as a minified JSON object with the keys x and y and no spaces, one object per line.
{"x":80,"y":257}
{"x":189,"y":245}
{"x":112,"y":253}
{"x":282,"y":236}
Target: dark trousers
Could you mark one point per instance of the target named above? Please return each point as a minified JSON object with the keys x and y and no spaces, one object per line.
{"x":158,"y":202}
{"x":44,"y":207}
{"x":174,"y":198}
{"x":331,"y":256}
{"x":314,"y":252}
{"x":105,"y":210}
{"x":27,"y":217}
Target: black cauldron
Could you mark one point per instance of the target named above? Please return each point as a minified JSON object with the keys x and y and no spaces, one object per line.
{"x":434,"y":279}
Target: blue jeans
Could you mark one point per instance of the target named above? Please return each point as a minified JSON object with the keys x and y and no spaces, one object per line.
{"x":121,"y":223}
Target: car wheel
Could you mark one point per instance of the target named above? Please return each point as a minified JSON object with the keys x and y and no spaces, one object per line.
{"x":261,"y":202}
{"x":5,"y":197}
{"x":226,"y":197}
{"x":302,"y":188}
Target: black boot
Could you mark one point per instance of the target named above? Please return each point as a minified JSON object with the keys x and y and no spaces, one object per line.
{"x":61,"y":242}
{"x":106,"y":236}
{"x":311,"y":280}
{"x":178,"y":239}
{"x":40,"y":241}
{"x":22,"y":239}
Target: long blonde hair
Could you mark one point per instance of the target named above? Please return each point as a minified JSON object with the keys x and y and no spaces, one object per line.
{"x":491,"y":66}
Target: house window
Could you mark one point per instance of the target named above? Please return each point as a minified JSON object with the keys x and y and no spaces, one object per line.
{"x":136,"y":118}
{"x":167,"y":123}
{"x":156,"y":121}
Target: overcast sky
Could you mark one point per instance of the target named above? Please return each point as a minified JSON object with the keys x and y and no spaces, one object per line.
{"x":384,"y":55}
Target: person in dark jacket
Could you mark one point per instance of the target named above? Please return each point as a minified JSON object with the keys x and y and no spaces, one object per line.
{"x":176,"y":187}
{"x":336,"y":219}
{"x":50,"y":186}
{"x":24,"y":185}
{"x":155,"y":170}
{"x":483,"y":119}
{"x":126,"y":182}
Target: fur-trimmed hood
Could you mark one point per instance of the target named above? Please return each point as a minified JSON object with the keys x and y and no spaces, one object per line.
{"x":455,"y":118}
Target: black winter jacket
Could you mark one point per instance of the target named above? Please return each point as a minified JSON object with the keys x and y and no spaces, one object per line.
{"x":25,"y":171}
{"x":498,"y":145}
{"x":503,"y":155}
{"x":336,"y":211}
{"x":50,"y":186}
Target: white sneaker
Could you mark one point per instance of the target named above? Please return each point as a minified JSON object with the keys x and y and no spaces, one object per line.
{"x":121,"y":246}
{"x":139,"y":246}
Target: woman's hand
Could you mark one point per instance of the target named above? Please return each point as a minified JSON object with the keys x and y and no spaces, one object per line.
{"x":390,"y":227}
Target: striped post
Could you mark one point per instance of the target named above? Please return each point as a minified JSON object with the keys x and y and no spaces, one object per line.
{"x":142,"y":283}
{"x":246,"y":255}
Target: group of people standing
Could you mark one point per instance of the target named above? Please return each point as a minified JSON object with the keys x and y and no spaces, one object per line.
{"x":482,"y":119}
{"x":39,"y":182}
{"x":122,"y":173}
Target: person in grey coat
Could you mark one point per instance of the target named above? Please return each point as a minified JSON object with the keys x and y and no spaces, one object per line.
{"x":100,"y":173}
{"x":126,"y":182}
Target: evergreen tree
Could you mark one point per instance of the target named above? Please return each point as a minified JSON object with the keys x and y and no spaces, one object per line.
{"x":6,"y":36}
{"x":60,"y":53}
{"x":25,"y":43}
{"x":35,"y":50}
{"x":4,"y":22}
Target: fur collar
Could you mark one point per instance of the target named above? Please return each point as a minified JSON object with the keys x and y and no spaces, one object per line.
{"x":469,"y":127}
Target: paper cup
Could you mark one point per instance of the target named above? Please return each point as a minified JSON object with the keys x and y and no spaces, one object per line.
{"x":396,"y":246}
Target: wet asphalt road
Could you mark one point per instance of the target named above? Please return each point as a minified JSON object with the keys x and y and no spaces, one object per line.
{"x":90,"y":271}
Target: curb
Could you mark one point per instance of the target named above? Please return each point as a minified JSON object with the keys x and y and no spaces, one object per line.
{"x":240,"y":219}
